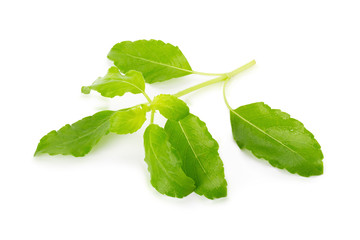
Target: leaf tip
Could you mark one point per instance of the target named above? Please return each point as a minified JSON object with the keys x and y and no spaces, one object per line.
{"x":319,"y":170}
{"x":85,"y":89}
{"x":36,"y":153}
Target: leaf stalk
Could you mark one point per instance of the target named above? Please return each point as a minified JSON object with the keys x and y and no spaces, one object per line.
{"x":221,"y":78}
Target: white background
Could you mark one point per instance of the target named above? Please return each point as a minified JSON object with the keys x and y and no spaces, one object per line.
{"x":308,"y":62}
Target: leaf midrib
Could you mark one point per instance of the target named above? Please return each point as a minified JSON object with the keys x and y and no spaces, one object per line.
{"x":161,"y":165}
{"x":120,"y":80}
{"x":87,"y":134}
{"x":265,"y":133}
{"x":158,"y":63}
{"x":193,"y":151}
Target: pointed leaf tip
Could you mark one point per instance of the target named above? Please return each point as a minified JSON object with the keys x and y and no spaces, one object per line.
{"x":76,"y":139}
{"x":115,"y":83}
{"x":85,"y":89}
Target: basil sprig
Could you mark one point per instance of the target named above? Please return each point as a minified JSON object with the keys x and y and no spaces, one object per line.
{"x":182,"y":156}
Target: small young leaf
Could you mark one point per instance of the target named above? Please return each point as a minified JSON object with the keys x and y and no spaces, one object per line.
{"x":76,"y":139}
{"x":156,"y":60}
{"x":127,"y":120}
{"x":116,"y":84}
{"x":164,"y":164}
{"x":170,"y":107}
{"x":281,"y":140}
{"x":199,"y":152}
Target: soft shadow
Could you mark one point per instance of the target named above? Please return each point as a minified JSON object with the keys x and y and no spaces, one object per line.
{"x":249,"y":155}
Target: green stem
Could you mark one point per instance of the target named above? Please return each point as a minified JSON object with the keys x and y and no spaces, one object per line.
{"x":231,"y":74}
{"x":224,"y":95}
{"x":149,"y":103}
{"x":146,"y":96}
{"x":201,"y":85}
{"x":242,"y":68}
{"x":152,"y":116}
{"x":221,"y":78}
{"x":206,"y":74}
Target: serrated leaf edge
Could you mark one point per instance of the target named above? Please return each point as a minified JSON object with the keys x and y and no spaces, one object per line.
{"x":272,"y":162}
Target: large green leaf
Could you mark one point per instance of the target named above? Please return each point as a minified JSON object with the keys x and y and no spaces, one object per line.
{"x":158,"y":61}
{"x":116,"y":84}
{"x":127,"y":120}
{"x":170,"y":106}
{"x":199,"y":152}
{"x":281,"y":140}
{"x":164,"y":164}
{"x":76,"y":139}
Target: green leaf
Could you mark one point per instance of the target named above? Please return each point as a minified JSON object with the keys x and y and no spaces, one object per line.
{"x":158,"y":61}
{"x":164,"y":164}
{"x":281,"y":140}
{"x":199,"y":152}
{"x":116,"y":84}
{"x":76,"y":139}
{"x":170,"y":106}
{"x":127,"y":120}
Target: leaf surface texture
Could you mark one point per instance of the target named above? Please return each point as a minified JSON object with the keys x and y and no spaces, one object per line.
{"x":199,"y":152}
{"x":275,"y":136}
{"x":116,"y":84}
{"x":164,"y":164}
{"x":127,"y":120}
{"x":76,"y":139}
{"x":170,"y":106}
{"x":156,"y":60}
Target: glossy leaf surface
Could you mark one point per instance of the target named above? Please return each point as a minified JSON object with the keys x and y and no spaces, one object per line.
{"x":156,"y":60}
{"x":164,"y":164}
{"x":127,"y":120}
{"x":170,"y":106}
{"x":116,"y":84}
{"x":283,"y":141}
{"x":76,"y":139}
{"x":199,"y":152}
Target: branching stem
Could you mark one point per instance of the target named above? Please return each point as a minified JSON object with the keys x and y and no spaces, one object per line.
{"x":224,"y":95}
{"x":147,"y":97}
{"x":201,"y":85}
{"x":222,"y":77}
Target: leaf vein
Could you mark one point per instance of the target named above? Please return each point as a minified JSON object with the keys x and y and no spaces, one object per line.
{"x":160,"y":163}
{"x":158,"y":63}
{"x":85,"y":135}
{"x":265,"y":133}
{"x":193,"y":151}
